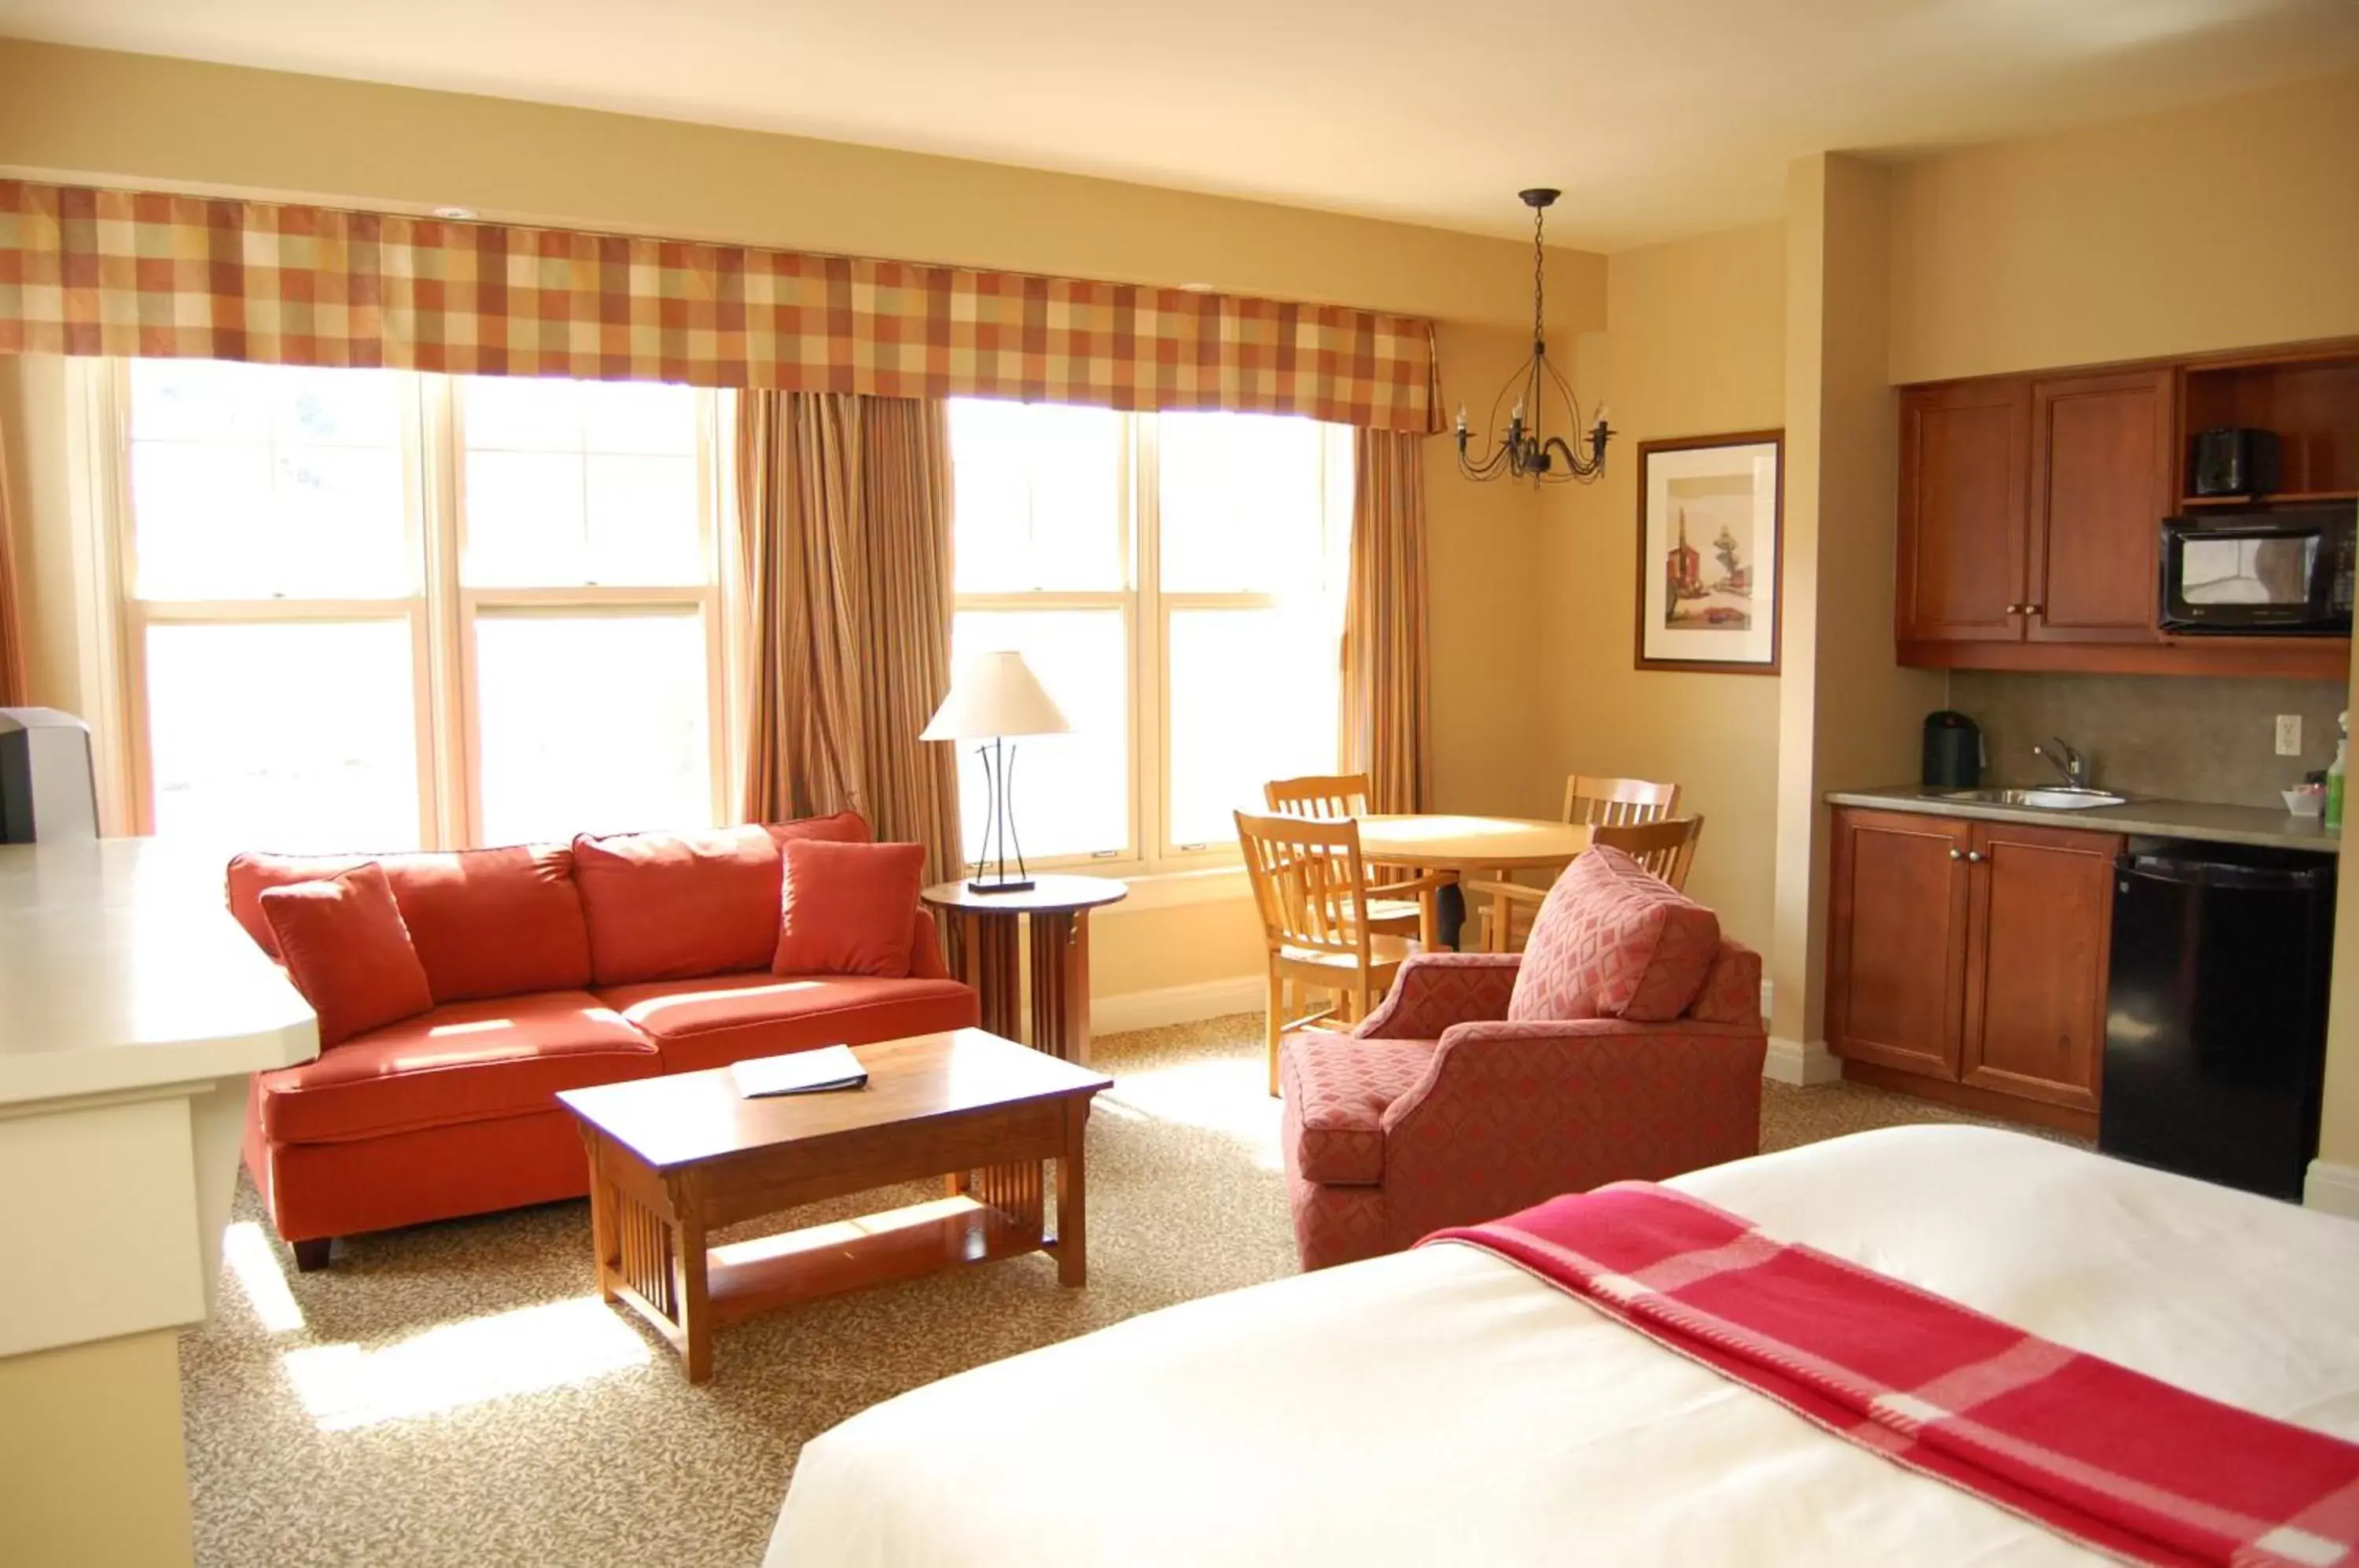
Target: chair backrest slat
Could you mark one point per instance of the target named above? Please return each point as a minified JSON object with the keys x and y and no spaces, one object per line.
{"x":1321,"y":795}
{"x":1618,"y":801}
{"x":1667,"y":848}
{"x":1308,"y":881}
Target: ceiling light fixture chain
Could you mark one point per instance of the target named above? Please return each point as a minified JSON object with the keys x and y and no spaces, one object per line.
{"x":1523,"y":449}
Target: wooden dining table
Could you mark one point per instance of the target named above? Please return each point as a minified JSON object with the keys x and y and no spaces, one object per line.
{"x":1472,"y":847}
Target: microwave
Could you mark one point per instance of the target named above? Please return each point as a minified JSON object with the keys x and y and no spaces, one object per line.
{"x":2283,"y":569}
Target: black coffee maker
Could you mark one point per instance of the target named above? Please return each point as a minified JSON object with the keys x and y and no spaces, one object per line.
{"x":1953,"y":751}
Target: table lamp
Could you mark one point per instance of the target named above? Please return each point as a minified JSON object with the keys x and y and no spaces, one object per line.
{"x":991,"y":697}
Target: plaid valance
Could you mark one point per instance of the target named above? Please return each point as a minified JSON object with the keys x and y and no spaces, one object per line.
{"x":85,"y":271}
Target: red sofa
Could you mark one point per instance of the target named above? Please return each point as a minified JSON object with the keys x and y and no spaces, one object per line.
{"x":551,"y":966}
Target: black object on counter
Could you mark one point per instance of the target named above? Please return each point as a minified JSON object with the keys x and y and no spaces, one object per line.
{"x":2215,"y":1016}
{"x":1953,"y":751}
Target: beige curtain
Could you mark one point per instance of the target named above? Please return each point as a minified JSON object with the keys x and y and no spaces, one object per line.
{"x":15,"y":677}
{"x":843,"y":502}
{"x":1387,"y":702}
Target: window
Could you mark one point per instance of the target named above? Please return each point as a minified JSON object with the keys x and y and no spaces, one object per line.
{"x":1175,"y":581}
{"x":368,"y":609}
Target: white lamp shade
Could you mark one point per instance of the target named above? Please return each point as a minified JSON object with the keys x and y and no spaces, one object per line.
{"x":995,"y":694}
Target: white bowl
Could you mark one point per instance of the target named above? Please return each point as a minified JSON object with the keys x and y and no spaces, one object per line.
{"x":2304,"y":802}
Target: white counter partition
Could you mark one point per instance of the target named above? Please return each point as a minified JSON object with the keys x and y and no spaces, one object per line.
{"x":131,"y":1012}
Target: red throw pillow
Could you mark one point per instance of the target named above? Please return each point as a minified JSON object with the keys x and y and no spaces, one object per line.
{"x":347,"y":951}
{"x":678,"y":906}
{"x":847,"y":908}
{"x":1614,"y":941}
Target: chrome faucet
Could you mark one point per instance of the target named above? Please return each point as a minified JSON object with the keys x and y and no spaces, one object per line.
{"x":2066,"y":761}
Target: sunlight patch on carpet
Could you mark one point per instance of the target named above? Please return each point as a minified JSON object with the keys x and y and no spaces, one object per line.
{"x":254,"y":1263}
{"x":526,"y":1351}
{"x":1227,"y":1095}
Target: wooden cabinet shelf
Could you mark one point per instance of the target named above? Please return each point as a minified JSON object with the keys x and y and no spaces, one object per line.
{"x":2030,"y":508}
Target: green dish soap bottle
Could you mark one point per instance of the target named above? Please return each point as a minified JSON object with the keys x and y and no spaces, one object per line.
{"x":2333,"y":822}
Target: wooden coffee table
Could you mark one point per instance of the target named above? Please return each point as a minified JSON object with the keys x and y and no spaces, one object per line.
{"x":675,"y":1157}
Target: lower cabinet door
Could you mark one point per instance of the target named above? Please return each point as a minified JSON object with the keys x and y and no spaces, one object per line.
{"x":2038,"y":934}
{"x":1897,"y":940}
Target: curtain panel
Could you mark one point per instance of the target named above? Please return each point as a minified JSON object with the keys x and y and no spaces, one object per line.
{"x":86,"y":271}
{"x":845,"y":526}
{"x":1387,"y":697}
{"x":14,"y":674}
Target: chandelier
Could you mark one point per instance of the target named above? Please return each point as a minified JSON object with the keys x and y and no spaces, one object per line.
{"x":1523,"y":451}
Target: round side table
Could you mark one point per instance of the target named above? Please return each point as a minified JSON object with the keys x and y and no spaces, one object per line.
{"x":986,"y":942}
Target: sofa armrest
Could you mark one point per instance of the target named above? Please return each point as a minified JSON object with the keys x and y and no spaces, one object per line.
{"x":1508,"y":1114}
{"x":1437,"y":990}
{"x":926,"y":948}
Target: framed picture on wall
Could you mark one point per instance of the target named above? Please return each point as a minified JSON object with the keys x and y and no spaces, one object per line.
{"x":1710,"y":543}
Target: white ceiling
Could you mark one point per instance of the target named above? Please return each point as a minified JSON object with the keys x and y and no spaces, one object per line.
{"x":1656,"y":116}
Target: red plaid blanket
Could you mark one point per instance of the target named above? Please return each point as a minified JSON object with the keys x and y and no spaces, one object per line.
{"x":2116,"y":1460}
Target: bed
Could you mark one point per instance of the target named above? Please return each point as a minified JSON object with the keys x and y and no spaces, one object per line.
{"x":1441,"y":1406}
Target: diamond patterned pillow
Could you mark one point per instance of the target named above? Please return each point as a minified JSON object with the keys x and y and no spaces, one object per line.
{"x":1614,"y":941}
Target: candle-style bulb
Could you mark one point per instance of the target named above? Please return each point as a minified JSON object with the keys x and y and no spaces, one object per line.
{"x":1518,"y":417}
{"x":1462,"y":418}
{"x":1601,"y":416}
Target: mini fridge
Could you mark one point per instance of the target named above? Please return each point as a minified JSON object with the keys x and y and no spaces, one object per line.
{"x":2215,"y":1013}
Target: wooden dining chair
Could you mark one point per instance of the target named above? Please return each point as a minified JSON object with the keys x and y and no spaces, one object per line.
{"x":1330,"y":796}
{"x":1595,"y":802}
{"x":1665,"y":848}
{"x":1312,"y":887}
{"x":1601,"y":801}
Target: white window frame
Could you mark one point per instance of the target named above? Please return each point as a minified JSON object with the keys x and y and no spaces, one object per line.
{"x":443,"y":613}
{"x":1146,"y":610}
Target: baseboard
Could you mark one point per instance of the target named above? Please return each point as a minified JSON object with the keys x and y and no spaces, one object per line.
{"x":1175,"y":1005}
{"x":1791,"y":1061}
{"x":2332,"y":1189}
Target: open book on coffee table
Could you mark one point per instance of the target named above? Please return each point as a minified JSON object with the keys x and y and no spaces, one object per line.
{"x":800,"y":1073}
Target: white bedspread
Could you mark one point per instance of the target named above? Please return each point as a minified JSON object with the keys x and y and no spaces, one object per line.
{"x":1440,"y":1407}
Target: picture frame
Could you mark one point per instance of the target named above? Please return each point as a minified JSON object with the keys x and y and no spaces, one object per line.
{"x":1711,"y":539}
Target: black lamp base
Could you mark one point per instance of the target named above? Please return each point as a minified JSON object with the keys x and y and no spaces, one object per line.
{"x":1014,"y":885}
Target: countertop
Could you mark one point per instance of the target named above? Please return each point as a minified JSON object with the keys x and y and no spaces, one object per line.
{"x":2155,"y":818}
{"x":121,"y":969}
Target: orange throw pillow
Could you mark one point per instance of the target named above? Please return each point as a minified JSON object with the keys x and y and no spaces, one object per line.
{"x":347,"y":950}
{"x":847,"y":908}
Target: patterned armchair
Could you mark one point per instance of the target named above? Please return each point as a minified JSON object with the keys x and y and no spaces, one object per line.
{"x":1446,"y":1108}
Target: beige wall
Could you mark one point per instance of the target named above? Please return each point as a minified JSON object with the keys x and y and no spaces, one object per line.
{"x":142,"y":120}
{"x":2224,"y":225}
{"x":90,"y":1469}
{"x":1694,"y":346}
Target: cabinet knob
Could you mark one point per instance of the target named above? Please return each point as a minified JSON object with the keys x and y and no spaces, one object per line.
{"x":1957,"y":855}
{"x":1975,"y":856}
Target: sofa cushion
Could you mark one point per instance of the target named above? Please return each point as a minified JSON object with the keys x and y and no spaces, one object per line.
{"x":463,"y":1062}
{"x":1614,"y":941}
{"x":844,"y":827}
{"x":486,"y":923}
{"x":845,"y":909}
{"x":728,"y":1017}
{"x":1336,"y":1088}
{"x":347,"y":950}
{"x":667,"y":906}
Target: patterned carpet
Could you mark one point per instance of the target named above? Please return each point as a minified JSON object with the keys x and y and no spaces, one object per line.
{"x":455,"y":1394}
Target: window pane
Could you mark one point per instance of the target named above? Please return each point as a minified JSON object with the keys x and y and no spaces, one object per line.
{"x":592,"y":723}
{"x":1071,"y":792}
{"x":571,"y":482}
{"x":288,"y":736}
{"x":1254,"y":697}
{"x":1035,"y":496}
{"x":1242,"y":505}
{"x":258,"y":482}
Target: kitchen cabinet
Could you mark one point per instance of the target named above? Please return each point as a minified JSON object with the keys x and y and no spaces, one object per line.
{"x":1964,"y":452}
{"x":2029,"y":509}
{"x":2103,"y":478}
{"x":1967,"y":960}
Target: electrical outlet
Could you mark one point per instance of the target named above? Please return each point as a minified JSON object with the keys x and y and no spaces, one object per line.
{"x":2288,"y":735}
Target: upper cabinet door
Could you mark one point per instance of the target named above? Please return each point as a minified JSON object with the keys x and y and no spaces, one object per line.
{"x":1965,"y":454}
{"x":2103,"y":472}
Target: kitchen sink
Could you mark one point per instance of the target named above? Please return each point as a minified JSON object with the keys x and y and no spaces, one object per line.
{"x":2059,"y":798}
